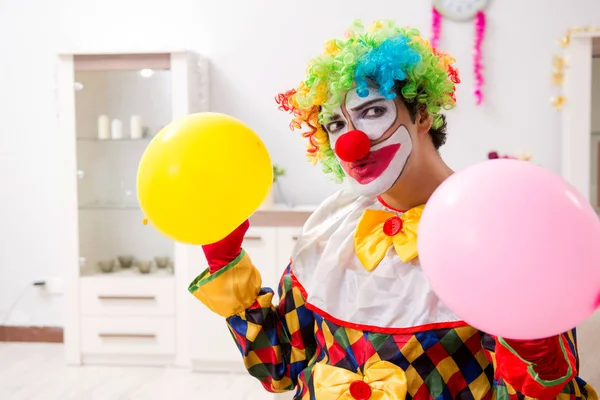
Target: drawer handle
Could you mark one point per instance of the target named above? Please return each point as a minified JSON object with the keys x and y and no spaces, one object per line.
{"x":253,"y":238}
{"x":295,"y":238}
{"x":147,"y":298}
{"x":128,"y":335}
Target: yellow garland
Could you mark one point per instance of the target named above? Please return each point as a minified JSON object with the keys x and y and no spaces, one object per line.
{"x":559,"y":65}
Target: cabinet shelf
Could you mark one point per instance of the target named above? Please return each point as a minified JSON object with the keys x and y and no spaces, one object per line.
{"x":132,"y":272}
{"x":109,"y":207}
{"x":95,"y":139}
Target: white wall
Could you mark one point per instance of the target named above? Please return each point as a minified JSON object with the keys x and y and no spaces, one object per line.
{"x":257,"y":48}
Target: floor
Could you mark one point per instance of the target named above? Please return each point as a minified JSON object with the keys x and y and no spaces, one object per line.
{"x":36,"y":371}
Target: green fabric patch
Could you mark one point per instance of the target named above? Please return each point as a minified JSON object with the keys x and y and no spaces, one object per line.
{"x":342,"y":338}
{"x":259,"y":371}
{"x":451,"y":342}
{"x":378,"y":339}
{"x":435,"y":383}
{"x":205,"y":277}
{"x":501,"y":393}
{"x":262,"y":341}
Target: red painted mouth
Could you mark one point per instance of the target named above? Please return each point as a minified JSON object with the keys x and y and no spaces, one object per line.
{"x":369,"y":168}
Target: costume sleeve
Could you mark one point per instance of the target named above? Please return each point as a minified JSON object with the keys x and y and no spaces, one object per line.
{"x":540,"y":369}
{"x":277,"y":342}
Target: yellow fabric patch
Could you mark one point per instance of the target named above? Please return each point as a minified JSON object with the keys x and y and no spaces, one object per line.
{"x":231,"y":290}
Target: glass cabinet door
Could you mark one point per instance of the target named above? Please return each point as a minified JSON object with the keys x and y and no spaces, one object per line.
{"x":117,"y":114}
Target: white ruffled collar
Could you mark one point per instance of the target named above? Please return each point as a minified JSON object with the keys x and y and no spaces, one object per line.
{"x":394,"y":297}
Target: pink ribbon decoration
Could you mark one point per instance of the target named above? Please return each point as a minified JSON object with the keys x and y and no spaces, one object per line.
{"x":477,"y":64}
{"x":436,"y":27}
{"x":480,"y":22}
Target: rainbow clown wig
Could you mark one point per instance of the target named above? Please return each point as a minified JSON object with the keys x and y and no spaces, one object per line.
{"x":386,"y":55}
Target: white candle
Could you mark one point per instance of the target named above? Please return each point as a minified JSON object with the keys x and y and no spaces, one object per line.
{"x":103,"y":127}
{"x":135,"y":126}
{"x":116,"y":129}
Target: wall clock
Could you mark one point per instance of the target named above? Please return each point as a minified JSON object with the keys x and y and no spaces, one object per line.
{"x":460,"y":10}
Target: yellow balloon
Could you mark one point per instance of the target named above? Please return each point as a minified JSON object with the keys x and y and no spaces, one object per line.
{"x":202,"y":176}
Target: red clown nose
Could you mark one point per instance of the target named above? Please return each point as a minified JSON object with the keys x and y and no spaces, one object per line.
{"x":353,"y":146}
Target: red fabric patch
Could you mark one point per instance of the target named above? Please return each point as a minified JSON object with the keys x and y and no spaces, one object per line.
{"x":437,"y":353}
{"x":363,"y":350}
{"x":241,"y":340}
{"x":267,"y":383}
{"x":422,"y":393}
{"x":297,"y":341}
{"x":401,"y":339}
{"x":336,"y":353}
{"x":267,"y":355}
{"x":456,"y":383}
{"x":320,"y":337}
{"x":255,"y":306}
{"x":474,"y":343}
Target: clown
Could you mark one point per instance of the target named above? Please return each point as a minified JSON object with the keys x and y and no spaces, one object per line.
{"x":357,"y":318}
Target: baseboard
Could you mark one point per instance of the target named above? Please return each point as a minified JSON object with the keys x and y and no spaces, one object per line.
{"x":43,"y":334}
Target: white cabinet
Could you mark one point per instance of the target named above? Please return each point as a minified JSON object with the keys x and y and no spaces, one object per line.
{"x":211,"y":344}
{"x":261,"y":246}
{"x":212,"y":349}
{"x":286,"y":240}
{"x":136,"y":336}
{"x":125,"y":295}
{"x":154,"y":296}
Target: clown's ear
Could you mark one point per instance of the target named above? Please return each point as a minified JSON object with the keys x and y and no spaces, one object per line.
{"x":424,"y":120}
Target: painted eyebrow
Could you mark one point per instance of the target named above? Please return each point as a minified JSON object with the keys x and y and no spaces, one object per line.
{"x":367,"y":104}
{"x":334,"y":118}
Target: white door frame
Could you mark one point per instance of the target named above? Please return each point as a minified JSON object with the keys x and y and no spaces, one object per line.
{"x":577,"y":112}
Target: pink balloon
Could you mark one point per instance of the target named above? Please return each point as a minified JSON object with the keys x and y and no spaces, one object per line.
{"x":512,"y":249}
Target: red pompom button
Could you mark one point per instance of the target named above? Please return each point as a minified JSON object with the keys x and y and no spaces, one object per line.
{"x":352,"y":146}
{"x":392,"y":226}
{"x":360,"y":390}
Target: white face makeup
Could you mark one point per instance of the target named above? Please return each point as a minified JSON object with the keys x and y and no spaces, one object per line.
{"x":391,"y":144}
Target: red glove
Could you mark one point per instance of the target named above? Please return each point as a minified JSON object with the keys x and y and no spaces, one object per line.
{"x":223,"y":252}
{"x":549,"y":364}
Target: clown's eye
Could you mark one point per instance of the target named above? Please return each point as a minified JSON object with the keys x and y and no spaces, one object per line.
{"x":373,"y":112}
{"x":335,"y":126}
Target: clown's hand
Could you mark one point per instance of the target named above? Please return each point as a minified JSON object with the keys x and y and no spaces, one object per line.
{"x":223,"y":252}
{"x":536,"y":368}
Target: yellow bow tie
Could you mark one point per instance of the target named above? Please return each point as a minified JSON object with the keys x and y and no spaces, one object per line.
{"x":381,"y":381}
{"x":377,"y":230}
